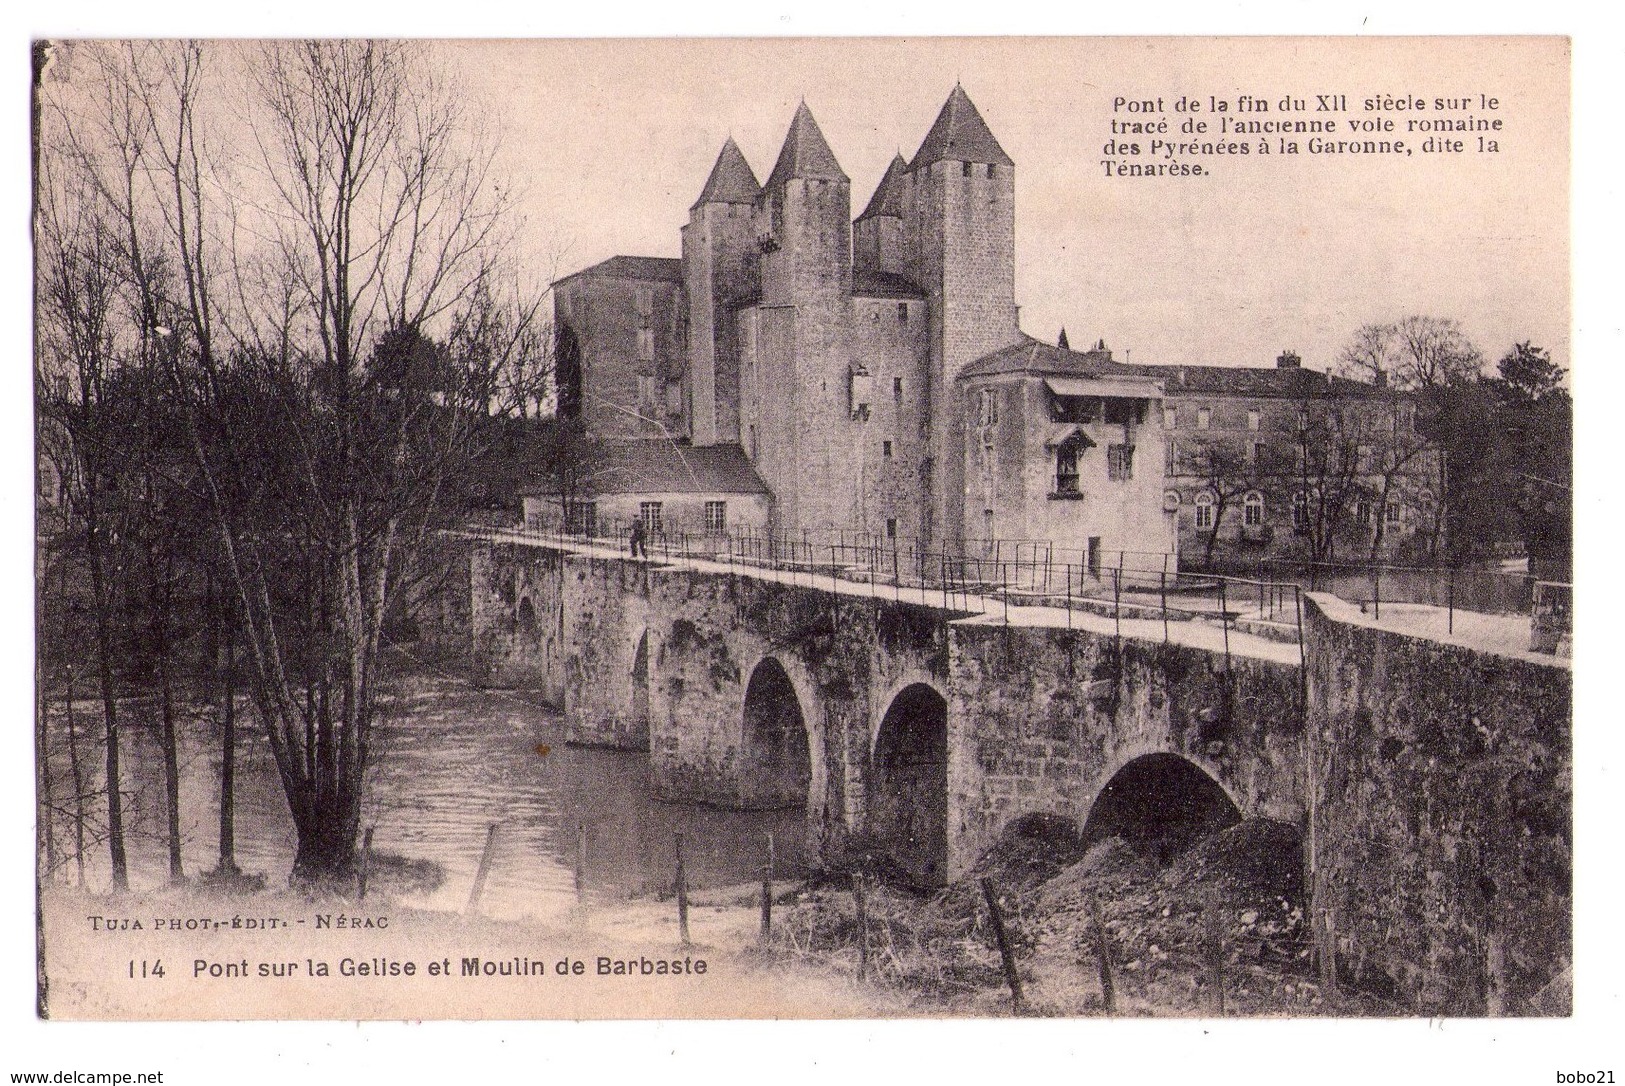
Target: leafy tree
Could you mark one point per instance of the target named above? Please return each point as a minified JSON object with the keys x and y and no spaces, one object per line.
{"x":1528,"y":373}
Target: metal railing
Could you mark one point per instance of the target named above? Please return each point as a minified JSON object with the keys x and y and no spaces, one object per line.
{"x":1014,"y":574}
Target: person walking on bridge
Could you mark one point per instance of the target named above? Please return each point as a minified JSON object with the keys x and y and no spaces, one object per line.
{"x":639,"y":545}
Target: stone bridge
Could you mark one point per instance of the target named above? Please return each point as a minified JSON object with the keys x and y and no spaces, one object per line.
{"x":904,"y":726}
{"x":1431,"y":778}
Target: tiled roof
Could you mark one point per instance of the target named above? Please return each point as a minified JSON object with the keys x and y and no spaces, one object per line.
{"x":1033,"y":356}
{"x":805,"y":152}
{"x":1039,"y":358}
{"x":665,"y":467}
{"x":867,"y":283}
{"x":1274,"y":381}
{"x":959,"y":135}
{"x":888,"y":197}
{"x":732,"y":181}
{"x":658,"y":268}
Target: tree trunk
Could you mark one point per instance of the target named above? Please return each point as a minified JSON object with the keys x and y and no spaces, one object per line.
{"x":78,"y":787}
{"x":172,"y":776}
{"x":228,"y":757}
{"x":104,"y":660}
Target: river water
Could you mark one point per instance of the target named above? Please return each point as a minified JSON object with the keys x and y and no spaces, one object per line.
{"x":448,"y":762}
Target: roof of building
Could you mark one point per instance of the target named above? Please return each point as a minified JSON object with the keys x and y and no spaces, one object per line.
{"x":805,"y":152}
{"x":1042,"y":359}
{"x":868,"y":283}
{"x":888,"y":197}
{"x":1035,"y":357}
{"x":660,"y":466}
{"x":659,"y":268}
{"x":959,"y":135}
{"x":732,"y":181}
{"x":1274,"y":381}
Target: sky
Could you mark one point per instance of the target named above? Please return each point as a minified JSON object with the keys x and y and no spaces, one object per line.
{"x":609,"y":142}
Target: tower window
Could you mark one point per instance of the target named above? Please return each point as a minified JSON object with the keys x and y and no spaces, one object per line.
{"x":992,"y":170}
{"x":885,"y":449}
{"x":965,"y":168}
{"x":1120,"y":461}
{"x":902,"y":312}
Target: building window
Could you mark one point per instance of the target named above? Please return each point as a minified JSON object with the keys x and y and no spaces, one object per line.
{"x":1391,"y":514}
{"x":581,"y":518}
{"x":1170,"y":458}
{"x":965,"y":168}
{"x":1204,"y":416}
{"x":1303,"y":420}
{"x":891,"y":528}
{"x":1171,"y":415}
{"x":646,"y":392}
{"x":988,"y":407}
{"x":992,"y":170}
{"x":1120,"y":461}
{"x":1362,"y":513}
{"x":646,"y":344}
{"x":1252,"y":508}
{"x":1252,"y":420}
{"x":1300,"y":511}
{"x":1204,"y":511}
{"x":649,"y":514}
{"x":897,"y":388}
{"x":716,"y":517}
{"x":1260,"y":452}
{"x":902,"y":312}
{"x":885,"y":449}
{"x":1066,"y":468}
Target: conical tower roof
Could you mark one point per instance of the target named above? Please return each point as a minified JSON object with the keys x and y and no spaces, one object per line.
{"x":805,"y":153}
{"x":959,"y":135}
{"x":732,"y":181}
{"x":888,"y":198}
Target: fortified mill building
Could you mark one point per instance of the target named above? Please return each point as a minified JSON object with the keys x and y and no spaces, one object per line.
{"x":797,"y":370}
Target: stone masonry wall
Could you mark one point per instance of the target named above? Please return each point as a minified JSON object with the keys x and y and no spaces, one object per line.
{"x":1442,"y":819}
{"x":1040,"y":719}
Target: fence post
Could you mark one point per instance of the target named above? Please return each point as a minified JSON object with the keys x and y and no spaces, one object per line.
{"x":767,"y":892}
{"x":682,"y":892}
{"x":581,"y":861}
{"x":860,"y":904}
{"x":1224,"y":618}
{"x":1018,"y":1003}
{"x":1450,"y":618}
{"x":1117,"y":598}
{"x":1165,"y":599}
{"x":483,"y":870}
{"x":1108,"y":989}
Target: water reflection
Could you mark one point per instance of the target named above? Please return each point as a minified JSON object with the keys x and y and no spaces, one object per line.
{"x":448,"y":762}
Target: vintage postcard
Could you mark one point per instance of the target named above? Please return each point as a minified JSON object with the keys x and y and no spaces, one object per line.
{"x":803,"y":528}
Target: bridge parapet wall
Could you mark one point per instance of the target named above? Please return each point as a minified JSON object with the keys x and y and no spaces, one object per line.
{"x":1041,"y":719}
{"x":1442,"y":820}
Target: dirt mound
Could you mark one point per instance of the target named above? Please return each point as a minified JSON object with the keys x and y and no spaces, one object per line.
{"x":1256,"y":862}
{"x":1108,"y":863}
{"x":1031,"y":851}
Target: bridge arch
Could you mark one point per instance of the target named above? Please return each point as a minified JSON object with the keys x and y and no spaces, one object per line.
{"x":777,"y":747}
{"x":907,"y":812}
{"x":1160,"y":804}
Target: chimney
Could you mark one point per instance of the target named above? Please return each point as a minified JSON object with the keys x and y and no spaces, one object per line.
{"x":1288,"y":360}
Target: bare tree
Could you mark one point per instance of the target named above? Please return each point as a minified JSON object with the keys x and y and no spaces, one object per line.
{"x":1224,"y":470}
{"x":1413,"y":353}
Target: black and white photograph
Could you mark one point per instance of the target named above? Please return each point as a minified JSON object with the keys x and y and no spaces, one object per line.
{"x":970,"y":528}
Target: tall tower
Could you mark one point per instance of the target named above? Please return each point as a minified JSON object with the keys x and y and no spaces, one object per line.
{"x":800,"y":430}
{"x":877,"y":236}
{"x":959,"y":235}
{"x":719,"y":272}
